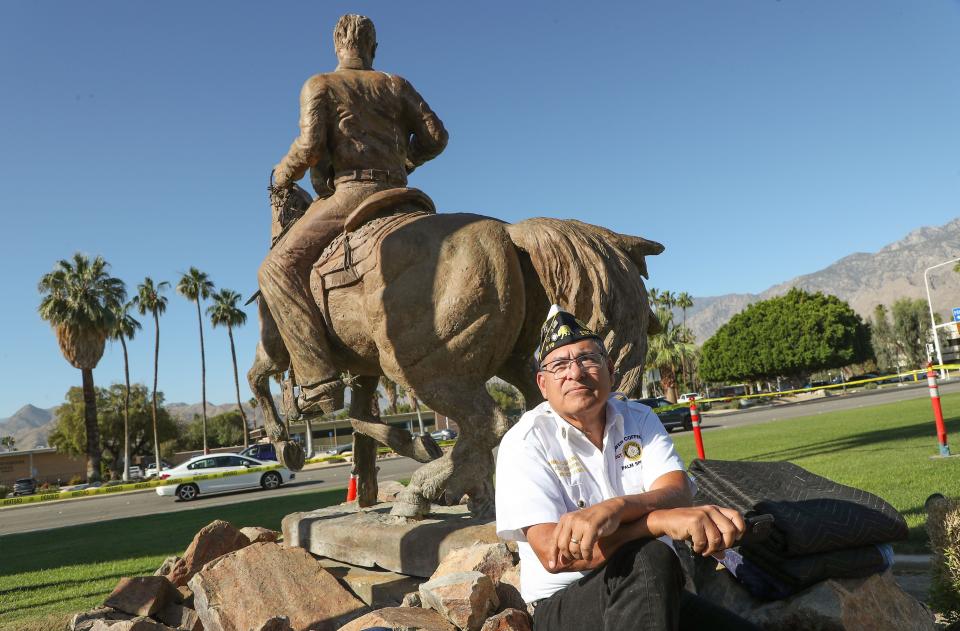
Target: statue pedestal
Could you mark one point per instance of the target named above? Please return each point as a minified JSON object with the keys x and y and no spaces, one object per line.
{"x":372,"y":538}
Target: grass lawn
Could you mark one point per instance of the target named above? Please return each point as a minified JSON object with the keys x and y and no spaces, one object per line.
{"x":47,"y":576}
{"x":883,"y":449}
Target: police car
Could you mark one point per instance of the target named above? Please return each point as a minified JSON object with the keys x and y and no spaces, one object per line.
{"x":239,"y":466}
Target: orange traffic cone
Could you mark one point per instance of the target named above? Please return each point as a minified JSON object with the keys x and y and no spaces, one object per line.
{"x":352,"y":488}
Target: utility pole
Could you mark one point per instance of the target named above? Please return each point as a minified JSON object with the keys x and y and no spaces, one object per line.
{"x":933,"y":321}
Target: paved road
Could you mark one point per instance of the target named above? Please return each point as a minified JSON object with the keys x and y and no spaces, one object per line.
{"x":835,"y":403}
{"x":85,"y":511}
{"x":54,"y":515}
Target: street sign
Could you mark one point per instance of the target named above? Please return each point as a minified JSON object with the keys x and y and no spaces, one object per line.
{"x":956,"y":314}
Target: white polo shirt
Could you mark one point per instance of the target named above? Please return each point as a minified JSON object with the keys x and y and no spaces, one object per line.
{"x":546,"y":467}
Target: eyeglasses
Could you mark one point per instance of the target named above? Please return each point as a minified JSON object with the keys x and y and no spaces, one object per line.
{"x":588,"y":361}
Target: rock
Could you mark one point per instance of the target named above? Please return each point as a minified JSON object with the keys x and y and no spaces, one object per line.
{"x":388,"y":490}
{"x":850,"y":604}
{"x":492,"y":559}
{"x":86,"y":620}
{"x":465,"y":598}
{"x":167,"y":566}
{"x":508,"y":590}
{"x":179,"y":617}
{"x":278,"y":623}
{"x":243,"y":590}
{"x":142,"y":595}
{"x":401,"y":619}
{"x":140,"y":623}
{"x":377,"y":588}
{"x":373,"y":538}
{"x":213,"y":540}
{"x":186,"y":596}
{"x":509,"y":620}
{"x":411,"y":600}
{"x":257,"y":534}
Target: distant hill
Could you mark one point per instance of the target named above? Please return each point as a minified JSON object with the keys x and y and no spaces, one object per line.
{"x":862,"y":279}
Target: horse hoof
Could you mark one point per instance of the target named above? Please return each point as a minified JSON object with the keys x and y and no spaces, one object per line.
{"x":410,"y":508}
{"x":426,"y":449}
{"x":291,"y":455}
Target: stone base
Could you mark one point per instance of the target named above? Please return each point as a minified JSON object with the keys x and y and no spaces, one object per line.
{"x":372,"y":538}
{"x":376,"y":588}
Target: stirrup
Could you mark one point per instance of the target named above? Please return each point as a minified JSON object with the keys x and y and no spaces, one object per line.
{"x":323,"y":398}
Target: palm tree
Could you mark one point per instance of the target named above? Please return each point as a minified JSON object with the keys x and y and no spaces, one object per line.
{"x":196,"y":286}
{"x":390,"y":391}
{"x":654,"y":294}
{"x":149,"y":299}
{"x":79,"y":301}
{"x":668,"y":299}
{"x":225,"y":312}
{"x":667,"y":349}
{"x":124,"y":328}
{"x":684,"y":301}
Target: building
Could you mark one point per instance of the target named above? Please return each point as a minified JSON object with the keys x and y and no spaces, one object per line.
{"x":45,"y":465}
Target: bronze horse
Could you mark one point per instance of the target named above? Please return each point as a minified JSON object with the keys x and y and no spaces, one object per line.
{"x":441,"y":304}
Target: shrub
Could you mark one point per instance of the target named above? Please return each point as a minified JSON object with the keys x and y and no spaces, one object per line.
{"x":75,"y":480}
{"x":4,"y":491}
{"x":943,"y":527}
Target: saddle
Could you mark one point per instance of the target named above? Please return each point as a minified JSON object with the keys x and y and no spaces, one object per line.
{"x":349,"y":256}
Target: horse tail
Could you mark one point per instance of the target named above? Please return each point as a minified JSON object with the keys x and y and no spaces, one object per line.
{"x":597,"y":275}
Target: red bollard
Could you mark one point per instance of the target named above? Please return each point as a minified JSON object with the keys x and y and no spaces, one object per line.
{"x":352,"y":488}
{"x":695,"y":421}
{"x":937,"y":410}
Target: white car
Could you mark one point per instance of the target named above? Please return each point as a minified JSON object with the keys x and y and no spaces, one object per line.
{"x":220,"y":463}
{"x":685,"y":397}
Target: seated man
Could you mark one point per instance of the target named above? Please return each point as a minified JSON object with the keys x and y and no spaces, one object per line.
{"x":593,"y":490}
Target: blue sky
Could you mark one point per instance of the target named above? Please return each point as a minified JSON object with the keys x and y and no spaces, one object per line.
{"x":758,"y":140}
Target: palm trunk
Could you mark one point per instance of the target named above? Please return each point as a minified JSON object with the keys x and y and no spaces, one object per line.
{"x":668,"y":380}
{"x":90,"y":425}
{"x":156,"y":366}
{"x":126,"y":413}
{"x":236,"y":383}
{"x":203,"y":379}
{"x":309,"y":437}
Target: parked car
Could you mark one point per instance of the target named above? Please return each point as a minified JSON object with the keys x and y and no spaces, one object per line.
{"x":220,"y":463}
{"x":341,"y":450}
{"x":24,"y":486}
{"x":136,"y":473}
{"x":443,"y":434}
{"x":151,"y":470}
{"x":673,"y":418}
{"x":261,"y":451}
{"x":685,"y":397}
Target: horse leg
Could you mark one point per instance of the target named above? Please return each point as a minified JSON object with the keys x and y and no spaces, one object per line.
{"x":519,"y":373}
{"x":363,"y":408}
{"x":421,"y":448}
{"x":271,"y":358}
{"x":482,"y":424}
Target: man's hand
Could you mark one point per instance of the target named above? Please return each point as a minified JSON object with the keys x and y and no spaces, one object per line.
{"x":710,"y":529}
{"x":575,"y":534}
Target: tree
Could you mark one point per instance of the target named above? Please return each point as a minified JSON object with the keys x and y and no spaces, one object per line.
{"x":506,"y":396}
{"x":9,"y":442}
{"x":67,"y":434}
{"x":196,"y":287}
{"x":79,"y":300}
{"x":149,"y":299}
{"x":884,"y":342}
{"x":684,"y":301}
{"x":668,"y":349}
{"x":911,"y":329}
{"x":225,"y":312}
{"x":390,"y":391}
{"x":124,"y":328}
{"x":791,"y":336}
{"x":222,"y":430}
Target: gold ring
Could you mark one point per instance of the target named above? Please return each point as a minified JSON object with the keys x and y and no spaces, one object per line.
{"x":576,"y":541}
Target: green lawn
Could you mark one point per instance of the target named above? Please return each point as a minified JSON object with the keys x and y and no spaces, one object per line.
{"x":883,"y":449}
{"x":46,"y":576}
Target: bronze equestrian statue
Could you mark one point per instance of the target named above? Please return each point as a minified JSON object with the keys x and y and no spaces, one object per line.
{"x":439,"y":303}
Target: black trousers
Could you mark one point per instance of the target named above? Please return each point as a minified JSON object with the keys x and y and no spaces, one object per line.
{"x":639,"y":588}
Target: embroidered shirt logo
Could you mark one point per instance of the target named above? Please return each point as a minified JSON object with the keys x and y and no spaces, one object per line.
{"x":632,"y":450}
{"x":564,"y":468}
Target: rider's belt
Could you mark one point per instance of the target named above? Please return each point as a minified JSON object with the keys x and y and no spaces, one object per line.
{"x":369,"y":175}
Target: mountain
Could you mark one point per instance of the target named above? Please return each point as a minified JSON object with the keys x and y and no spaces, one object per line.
{"x":863,"y":279}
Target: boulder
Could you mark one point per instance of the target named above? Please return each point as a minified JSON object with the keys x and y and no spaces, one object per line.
{"x":373,"y":538}
{"x":850,"y":604}
{"x":86,"y":620}
{"x":244,"y":589}
{"x":257,"y":534}
{"x":509,"y":620}
{"x":213,"y":540}
{"x":167,"y":565}
{"x":179,"y":617}
{"x":278,"y":623}
{"x":388,"y":490}
{"x":411,"y":600}
{"x":401,"y":619}
{"x":140,"y":623}
{"x":492,"y":559}
{"x":508,"y":590}
{"x":465,"y":598}
{"x":377,"y":588}
{"x":142,"y":595}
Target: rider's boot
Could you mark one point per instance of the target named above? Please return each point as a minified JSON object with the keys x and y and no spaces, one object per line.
{"x":321,"y":398}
